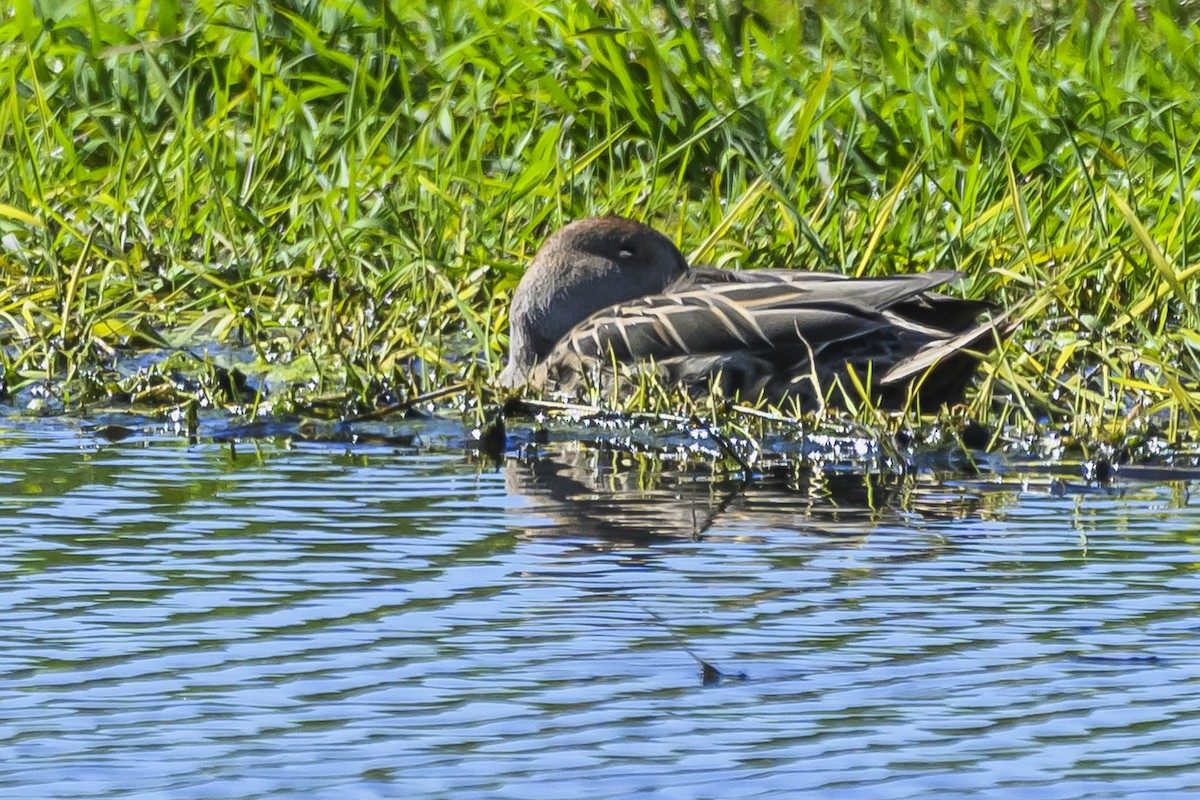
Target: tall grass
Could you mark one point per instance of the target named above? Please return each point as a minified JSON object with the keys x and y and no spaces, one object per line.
{"x":349,"y":192}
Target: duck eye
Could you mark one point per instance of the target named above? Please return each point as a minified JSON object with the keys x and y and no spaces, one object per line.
{"x":625,"y":252}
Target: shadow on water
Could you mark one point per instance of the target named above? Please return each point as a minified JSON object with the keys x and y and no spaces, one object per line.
{"x":599,"y":498}
{"x":620,"y":495}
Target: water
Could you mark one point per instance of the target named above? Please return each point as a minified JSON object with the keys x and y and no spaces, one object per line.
{"x":344,"y":621}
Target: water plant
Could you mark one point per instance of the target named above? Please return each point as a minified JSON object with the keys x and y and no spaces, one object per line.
{"x":335,"y":199}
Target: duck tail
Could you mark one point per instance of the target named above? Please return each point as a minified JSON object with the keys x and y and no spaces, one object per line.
{"x":945,"y":366}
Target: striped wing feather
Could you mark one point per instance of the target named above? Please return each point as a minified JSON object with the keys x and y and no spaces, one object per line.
{"x":772,"y":332}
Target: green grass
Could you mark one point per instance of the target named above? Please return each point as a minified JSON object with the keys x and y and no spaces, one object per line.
{"x":343,"y":195}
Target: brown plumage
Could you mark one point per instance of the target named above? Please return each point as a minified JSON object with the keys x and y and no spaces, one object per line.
{"x":609,"y":289}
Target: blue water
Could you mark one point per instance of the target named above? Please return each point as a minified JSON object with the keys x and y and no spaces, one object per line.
{"x":298,"y":620}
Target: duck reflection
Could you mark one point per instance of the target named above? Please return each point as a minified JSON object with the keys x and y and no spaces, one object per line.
{"x":600,"y":490}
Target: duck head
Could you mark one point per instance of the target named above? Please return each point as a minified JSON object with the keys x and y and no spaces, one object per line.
{"x":586,"y":266}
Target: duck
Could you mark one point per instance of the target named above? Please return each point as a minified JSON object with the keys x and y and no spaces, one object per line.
{"x":605,"y":297}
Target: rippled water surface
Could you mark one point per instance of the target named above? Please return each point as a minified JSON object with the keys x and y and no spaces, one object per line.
{"x":321,"y":621}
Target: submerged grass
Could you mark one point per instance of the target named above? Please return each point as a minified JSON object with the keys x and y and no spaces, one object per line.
{"x":340,"y":197}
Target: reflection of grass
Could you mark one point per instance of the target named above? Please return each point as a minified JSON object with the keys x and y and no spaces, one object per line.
{"x":354,"y":192}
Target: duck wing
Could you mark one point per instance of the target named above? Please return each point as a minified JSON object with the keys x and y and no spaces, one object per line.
{"x":911,"y":295}
{"x":876,"y":292}
{"x":771,"y":333}
{"x":718,"y":318}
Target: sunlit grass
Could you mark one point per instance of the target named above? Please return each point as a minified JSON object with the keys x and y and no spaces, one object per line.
{"x":342,"y":195}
